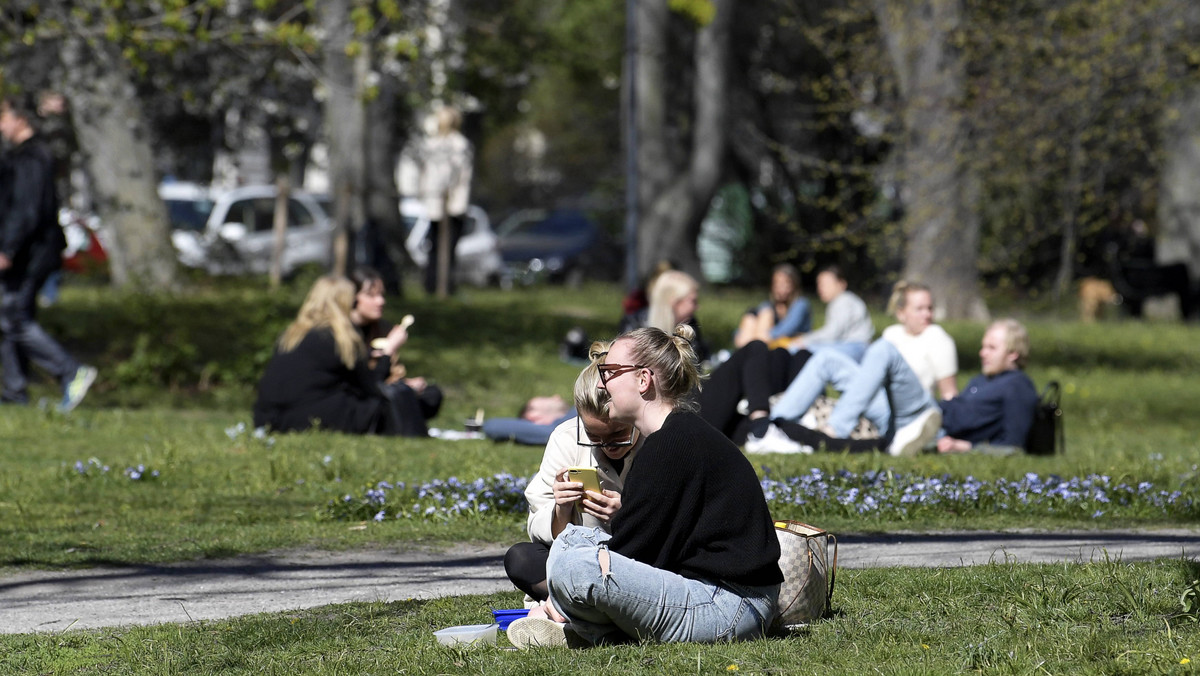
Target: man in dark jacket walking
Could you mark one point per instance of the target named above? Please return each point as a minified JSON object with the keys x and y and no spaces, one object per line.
{"x":31,"y":244}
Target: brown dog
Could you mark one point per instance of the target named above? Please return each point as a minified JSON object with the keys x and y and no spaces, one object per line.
{"x":1094,"y":294}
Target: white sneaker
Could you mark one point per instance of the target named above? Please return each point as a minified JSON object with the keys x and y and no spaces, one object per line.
{"x":775,"y":440}
{"x":537,"y":632}
{"x":910,"y":439}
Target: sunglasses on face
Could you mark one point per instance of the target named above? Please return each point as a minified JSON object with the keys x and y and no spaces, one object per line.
{"x":610,"y":371}
{"x":588,"y":443}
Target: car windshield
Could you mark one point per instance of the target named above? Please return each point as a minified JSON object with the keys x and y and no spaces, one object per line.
{"x":188,"y":214}
{"x":557,"y":224}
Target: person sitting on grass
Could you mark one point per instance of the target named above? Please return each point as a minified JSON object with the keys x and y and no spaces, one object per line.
{"x":534,"y":424}
{"x":693,"y":554}
{"x":416,"y":400}
{"x":994,"y":413}
{"x":848,"y":326}
{"x":674,"y":297}
{"x":319,"y":374}
{"x":590,"y":439}
{"x":925,"y":346}
{"x":738,"y":392}
{"x":785,"y":315}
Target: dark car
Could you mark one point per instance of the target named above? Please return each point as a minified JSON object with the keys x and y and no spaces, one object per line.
{"x":562,"y":245}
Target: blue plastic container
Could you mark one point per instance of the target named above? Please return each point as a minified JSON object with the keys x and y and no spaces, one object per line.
{"x":505,"y":617}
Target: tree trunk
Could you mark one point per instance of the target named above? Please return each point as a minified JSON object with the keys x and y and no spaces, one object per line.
{"x":345,"y":118}
{"x":383,"y":200}
{"x":676,"y":185}
{"x":115,"y":143}
{"x":1179,"y":191}
{"x":940,"y":223}
{"x":279,"y":229}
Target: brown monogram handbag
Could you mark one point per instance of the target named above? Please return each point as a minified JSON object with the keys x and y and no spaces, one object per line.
{"x":808,"y":573}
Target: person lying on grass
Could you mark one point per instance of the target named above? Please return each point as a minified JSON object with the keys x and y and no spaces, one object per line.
{"x":693,"y":554}
{"x":593,"y":440}
{"x":995,"y":410}
{"x":534,"y":424}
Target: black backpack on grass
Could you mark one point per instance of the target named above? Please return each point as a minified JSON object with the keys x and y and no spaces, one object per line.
{"x":1046,"y":435}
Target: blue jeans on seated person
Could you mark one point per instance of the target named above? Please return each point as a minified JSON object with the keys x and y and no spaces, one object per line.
{"x":883,"y":388}
{"x":636,"y":600}
{"x":522,"y":431}
{"x":853,"y":350}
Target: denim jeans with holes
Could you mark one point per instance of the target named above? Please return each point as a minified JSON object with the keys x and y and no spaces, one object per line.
{"x":639,"y":601}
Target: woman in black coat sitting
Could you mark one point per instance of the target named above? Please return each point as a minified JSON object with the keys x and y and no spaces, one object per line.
{"x":320,"y":375}
{"x":414,"y":398}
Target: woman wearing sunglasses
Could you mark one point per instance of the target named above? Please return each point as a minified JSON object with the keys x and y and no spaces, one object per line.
{"x":693,"y":555}
{"x":590,"y":439}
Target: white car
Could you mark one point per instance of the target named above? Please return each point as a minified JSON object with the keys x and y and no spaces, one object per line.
{"x":232,"y":231}
{"x":477,"y":255}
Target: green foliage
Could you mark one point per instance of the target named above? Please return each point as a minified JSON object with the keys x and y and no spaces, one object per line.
{"x":699,"y":11}
{"x":1189,"y":601}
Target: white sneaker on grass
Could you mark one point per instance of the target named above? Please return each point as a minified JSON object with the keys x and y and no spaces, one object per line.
{"x":775,"y":440}
{"x":910,"y":439}
{"x":541,"y":632}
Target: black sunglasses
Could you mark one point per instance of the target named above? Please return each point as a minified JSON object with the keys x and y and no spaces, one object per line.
{"x":579,"y":438}
{"x":609,"y":371}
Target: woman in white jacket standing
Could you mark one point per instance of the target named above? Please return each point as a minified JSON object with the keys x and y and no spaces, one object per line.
{"x":589,"y":440}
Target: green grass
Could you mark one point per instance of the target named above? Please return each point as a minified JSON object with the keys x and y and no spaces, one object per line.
{"x":177,"y":371}
{"x":1097,"y":618}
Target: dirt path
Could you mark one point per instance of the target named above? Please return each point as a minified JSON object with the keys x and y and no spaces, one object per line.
{"x":43,"y":601}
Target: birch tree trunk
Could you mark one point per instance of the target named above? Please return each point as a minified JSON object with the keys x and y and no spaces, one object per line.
{"x":118,"y":157}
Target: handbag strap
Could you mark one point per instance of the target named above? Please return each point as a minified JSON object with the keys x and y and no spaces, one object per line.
{"x":1052,"y":395}
{"x":832,"y":570}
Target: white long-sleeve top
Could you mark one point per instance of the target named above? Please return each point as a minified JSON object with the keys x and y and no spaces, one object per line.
{"x":563,"y":451}
{"x":446,"y":165}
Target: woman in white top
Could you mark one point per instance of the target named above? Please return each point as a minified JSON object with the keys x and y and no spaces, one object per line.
{"x":927,"y":348}
{"x":589,"y":440}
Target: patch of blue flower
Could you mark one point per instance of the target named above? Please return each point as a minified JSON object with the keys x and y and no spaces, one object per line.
{"x":880,"y":494}
{"x":887,"y":494}
{"x":93,"y":467}
{"x":498,"y":494}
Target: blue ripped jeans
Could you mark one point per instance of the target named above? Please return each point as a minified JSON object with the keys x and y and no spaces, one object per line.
{"x":639,"y":601}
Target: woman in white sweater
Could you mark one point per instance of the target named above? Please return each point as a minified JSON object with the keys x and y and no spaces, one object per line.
{"x":589,"y":440}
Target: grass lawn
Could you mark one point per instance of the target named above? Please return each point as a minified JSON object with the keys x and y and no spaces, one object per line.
{"x":1097,"y":618}
{"x":177,"y":378}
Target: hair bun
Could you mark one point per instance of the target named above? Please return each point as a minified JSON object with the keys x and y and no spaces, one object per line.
{"x":684,"y":331}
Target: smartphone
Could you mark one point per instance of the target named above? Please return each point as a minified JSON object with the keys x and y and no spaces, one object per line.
{"x":585,"y":475}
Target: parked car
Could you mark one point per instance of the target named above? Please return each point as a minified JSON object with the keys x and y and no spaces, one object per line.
{"x":232,"y":231}
{"x":477,"y":255}
{"x":562,"y":245}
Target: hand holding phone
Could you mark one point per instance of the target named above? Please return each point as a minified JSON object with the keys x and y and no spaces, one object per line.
{"x":585,"y":475}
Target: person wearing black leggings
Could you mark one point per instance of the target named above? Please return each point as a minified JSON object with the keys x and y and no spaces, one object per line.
{"x":753,"y":373}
